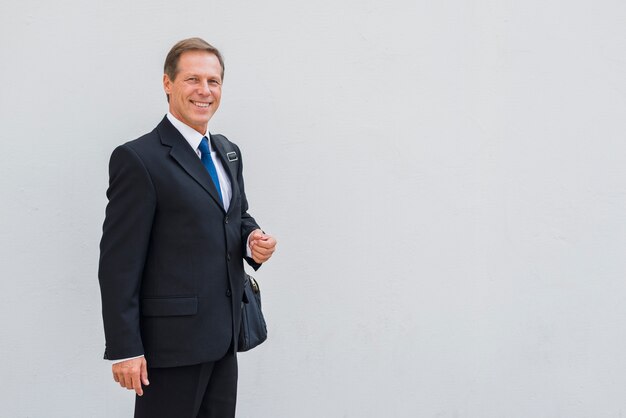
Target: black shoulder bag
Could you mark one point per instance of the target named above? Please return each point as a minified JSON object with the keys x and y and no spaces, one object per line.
{"x":253,"y":330}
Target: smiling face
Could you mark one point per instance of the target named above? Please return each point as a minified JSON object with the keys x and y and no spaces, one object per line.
{"x":195,"y":92}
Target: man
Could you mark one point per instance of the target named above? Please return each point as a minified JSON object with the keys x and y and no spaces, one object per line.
{"x":171,"y":257}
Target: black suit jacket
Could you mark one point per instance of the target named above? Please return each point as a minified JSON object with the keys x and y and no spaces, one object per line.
{"x":171,"y":258}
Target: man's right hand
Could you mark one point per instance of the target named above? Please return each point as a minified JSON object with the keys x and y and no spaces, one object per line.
{"x":130,"y":374}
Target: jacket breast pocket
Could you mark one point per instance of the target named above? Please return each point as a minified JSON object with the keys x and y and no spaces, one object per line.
{"x":175,"y":306}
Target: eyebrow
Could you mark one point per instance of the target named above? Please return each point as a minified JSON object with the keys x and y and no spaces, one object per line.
{"x":216,"y":77}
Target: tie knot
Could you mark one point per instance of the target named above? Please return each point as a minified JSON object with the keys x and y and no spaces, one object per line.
{"x":204,"y":146}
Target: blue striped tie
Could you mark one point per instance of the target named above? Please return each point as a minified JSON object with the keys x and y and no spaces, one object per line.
{"x":207,"y":161}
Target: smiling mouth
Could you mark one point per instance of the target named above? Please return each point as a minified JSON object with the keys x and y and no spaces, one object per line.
{"x":201,"y":104}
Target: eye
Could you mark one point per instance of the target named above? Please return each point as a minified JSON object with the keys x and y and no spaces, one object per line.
{"x":192,"y":79}
{"x":214,"y":83}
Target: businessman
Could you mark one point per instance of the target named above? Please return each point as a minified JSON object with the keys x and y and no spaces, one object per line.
{"x":175,"y":235}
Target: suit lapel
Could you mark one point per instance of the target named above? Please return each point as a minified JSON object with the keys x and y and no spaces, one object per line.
{"x":182,"y":153}
{"x":229,"y":165}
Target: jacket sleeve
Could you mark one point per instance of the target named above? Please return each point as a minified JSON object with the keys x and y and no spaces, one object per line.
{"x":123,"y":249}
{"x":248,"y":224}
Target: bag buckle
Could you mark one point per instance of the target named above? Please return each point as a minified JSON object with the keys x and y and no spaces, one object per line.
{"x":254,"y":285}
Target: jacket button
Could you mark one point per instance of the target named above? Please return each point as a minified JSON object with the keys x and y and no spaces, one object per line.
{"x":228,"y":256}
{"x":228,"y":293}
{"x":226,"y":220}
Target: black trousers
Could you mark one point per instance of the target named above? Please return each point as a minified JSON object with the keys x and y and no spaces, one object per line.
{"x":207,"y":390}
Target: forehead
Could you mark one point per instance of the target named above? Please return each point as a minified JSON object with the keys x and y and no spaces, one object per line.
{"x":199,"y":62}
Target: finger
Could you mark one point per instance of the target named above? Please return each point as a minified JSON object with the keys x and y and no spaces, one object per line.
{"x":137,"y":386}
{"x":259,"y":255}
{"x":144,"y":373}
{"x":262,"y":251}
{"x":258,"y":259}
{"x":256,"y":234}
{"x":261,"y":258}
{"x":269,"y":243}
{"x":263,"y":246}
{"x":129,"y":377}
{"x":115,"y":377}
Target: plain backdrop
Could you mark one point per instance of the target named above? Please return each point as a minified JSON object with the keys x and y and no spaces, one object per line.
{"x":446,"y":180}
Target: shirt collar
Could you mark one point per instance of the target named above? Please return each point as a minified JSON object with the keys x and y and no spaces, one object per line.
{"x":192,"y":136}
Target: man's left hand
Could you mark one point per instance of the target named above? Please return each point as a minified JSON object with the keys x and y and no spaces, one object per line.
{"x":262,"y":246}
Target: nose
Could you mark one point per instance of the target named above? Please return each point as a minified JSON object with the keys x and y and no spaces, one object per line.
{"x":204,"y":89}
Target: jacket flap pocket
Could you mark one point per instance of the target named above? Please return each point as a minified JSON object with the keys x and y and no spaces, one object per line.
{"x":169,"y":306}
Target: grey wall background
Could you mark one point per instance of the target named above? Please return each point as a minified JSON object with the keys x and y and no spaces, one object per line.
{"x":446,"y":180}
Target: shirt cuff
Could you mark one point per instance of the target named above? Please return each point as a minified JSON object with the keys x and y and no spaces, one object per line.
{"x":248,"y":250}
{"x":124,"y":359}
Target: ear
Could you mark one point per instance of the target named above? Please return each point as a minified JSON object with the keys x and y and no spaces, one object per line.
{"x":167,"y":84}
